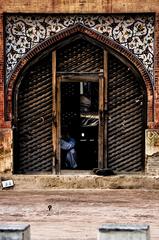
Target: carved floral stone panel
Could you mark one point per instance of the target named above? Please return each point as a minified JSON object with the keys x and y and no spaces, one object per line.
{"x":134,"y":32}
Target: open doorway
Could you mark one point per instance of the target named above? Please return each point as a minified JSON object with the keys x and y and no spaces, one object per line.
{"x":79,"y":125}
{"x":86,"y":91}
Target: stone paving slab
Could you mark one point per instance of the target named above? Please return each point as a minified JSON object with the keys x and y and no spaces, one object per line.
{"x":77,"y":214}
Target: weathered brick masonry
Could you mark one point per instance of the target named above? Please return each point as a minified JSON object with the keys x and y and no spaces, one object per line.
{"x":81,"y":6}
{"x":157,"y":70}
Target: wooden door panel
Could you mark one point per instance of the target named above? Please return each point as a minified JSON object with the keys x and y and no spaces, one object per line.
{"x":126,"y":123}
{"x":34,"y":124}
{"x":121,"y":109}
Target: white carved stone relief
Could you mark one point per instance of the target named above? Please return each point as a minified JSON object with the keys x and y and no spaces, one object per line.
{"x":134,"y":32}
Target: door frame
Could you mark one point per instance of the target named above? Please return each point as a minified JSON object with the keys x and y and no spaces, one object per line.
{"x":58,"y":40}
{"x":102,"y":79}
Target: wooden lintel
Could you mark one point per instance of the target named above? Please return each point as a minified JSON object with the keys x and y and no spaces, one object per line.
{"x":79,"y":78}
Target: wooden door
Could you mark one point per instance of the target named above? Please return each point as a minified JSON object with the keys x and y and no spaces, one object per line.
{"x":32,"y":122}
{"x":126,"y":118}
{"x":122,"y":104}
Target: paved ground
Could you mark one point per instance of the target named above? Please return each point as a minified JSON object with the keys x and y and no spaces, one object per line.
{"x":76,"y":214}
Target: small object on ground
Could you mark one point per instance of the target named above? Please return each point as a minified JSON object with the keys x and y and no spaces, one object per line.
{"x":49,"y":207}
{"x":104,"y":172}
{"x":95,"y":170}
{"x":7,"y":183}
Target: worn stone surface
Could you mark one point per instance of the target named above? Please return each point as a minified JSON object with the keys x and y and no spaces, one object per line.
{"x":77,"y":214}
{"x":14,"y":232}
{"x":124,"y":231}
{"x":49,"y":182}
{"x":5,"y":150}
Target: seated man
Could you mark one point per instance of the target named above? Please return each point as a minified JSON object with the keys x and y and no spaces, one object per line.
{"x":68,"y":144}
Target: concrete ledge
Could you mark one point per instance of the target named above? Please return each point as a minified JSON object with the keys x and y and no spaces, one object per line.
{"x":14,"y":232}
{"x":124,"y":231}
{"x":39,"y":182}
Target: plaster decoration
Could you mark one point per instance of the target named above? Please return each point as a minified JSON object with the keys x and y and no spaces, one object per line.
{"x":152,"y":141}
{"x":152,"y":137}
{"x":134,"y":32}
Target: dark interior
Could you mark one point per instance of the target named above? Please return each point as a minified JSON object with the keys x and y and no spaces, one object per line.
{"x":79,"y":117}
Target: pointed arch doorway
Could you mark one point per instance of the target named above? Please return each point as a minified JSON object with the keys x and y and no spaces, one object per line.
{"x":93,"y":92}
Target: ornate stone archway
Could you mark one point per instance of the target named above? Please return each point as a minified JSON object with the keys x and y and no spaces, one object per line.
{"x":52,"y":42}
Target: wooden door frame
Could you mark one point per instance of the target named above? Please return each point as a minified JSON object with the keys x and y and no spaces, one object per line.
{"x":56,"y":128}
{"x":102,"y":79}
{"x":54,"y":113}
{"x":103,"y":108}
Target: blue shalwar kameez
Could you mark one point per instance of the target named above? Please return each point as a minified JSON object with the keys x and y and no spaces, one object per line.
{"x":71,"y":153}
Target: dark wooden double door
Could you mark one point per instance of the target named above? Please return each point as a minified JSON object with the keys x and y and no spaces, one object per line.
{"x":96,"y":94}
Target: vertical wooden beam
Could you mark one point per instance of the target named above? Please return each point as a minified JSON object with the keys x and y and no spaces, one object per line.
{"x":54,"y":112}
{"x":101,"y":123}
{"x":105,"y":108}
{"x":58,"y":130}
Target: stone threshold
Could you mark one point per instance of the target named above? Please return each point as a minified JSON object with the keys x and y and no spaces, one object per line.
{"x":50,"y":182}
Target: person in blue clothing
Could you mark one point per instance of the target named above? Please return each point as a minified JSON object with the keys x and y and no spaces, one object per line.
{"x":68,"y":145}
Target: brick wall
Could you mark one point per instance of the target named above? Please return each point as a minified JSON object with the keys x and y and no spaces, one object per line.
{"x":70,"y":6}
{"x":157,"y":71}
{"x":3,"y":124}
{"x":1,"y":71}
{"x":5,"y":150}
{"x":79,"y":6}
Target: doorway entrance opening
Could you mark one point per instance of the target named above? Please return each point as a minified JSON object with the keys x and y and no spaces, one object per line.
{"x":79,"y":76}
{"x":83,"y":95}
{"x":80,"y":122}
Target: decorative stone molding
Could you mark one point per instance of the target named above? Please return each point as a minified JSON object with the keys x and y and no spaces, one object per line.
{"x":152,"y":141}
{"x":152,"y":151}
{"x":52,"y":42}
{"x":135,"y":32}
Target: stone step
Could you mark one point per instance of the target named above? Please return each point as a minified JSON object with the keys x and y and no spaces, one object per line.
{"x":40,"y":182}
